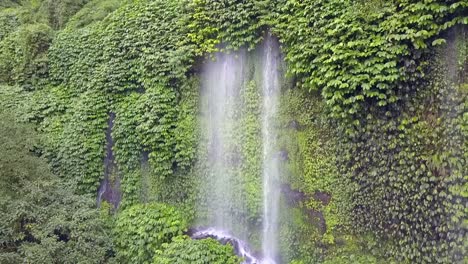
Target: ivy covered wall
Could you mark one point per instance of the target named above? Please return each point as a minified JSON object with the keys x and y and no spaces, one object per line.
{"x":373,"y":112}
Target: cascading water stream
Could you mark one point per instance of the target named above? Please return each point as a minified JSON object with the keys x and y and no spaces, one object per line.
{"x":224,"y":87}
{"x":271,"y":191}
{"x":241,"y":248}
{"x":221,"y":86}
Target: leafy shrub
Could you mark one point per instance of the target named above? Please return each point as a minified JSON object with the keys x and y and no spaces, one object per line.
{"x":142,"y":229}
{"x":9,"y":21}
{"x":92,"y":12}
{"x":183,"y":250}
{"x":234,"y":23}
{"x":23,"y":56}
{"x":360,"y":51}
{"x":55,"y":13}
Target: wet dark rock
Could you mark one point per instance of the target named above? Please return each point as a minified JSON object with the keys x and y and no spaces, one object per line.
{"x":109,"y":189}
{"x":283,"y":155}
{"x":293,"y":197}
{"x":316,"y":218}
{"x":240,"y":247}
{"x":297,"y":198}
{"x":294,"y":125}
{"x":339,"y":241}
{"x":144,"y":158}
{"x":322,"y":197}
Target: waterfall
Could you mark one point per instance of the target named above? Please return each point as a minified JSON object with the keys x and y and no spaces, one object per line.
{"x":221,"y":84}
{"x":271,"y":191}
{"x":241,"y":248}
{"x":226,"y":83}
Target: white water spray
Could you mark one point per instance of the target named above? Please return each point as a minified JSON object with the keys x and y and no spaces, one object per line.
{"x":271,"y":191}
{"x":240,"y":247}
{"x":221,"y":85}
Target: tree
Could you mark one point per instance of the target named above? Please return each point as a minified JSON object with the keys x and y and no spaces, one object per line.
{"x":42,"y":219}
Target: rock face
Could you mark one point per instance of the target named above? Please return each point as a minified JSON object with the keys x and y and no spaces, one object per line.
{"x":109,"y":190}
{"x":296,"y":198}
{"x":294,"y":125}
{"x":293,"y":197}
{"x":283,"y":155}
{"x":241,"y":248}
{"x":322,"y":197}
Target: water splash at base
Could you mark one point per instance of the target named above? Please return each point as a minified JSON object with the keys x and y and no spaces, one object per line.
{"x":241,"y":248}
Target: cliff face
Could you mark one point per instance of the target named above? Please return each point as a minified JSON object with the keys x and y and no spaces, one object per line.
{"x":370,"y":125}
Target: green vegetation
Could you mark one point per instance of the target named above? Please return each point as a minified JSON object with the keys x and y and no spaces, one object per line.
{"x":373,"y":128}
{"x":43,"y":220}
{"x":308,"y":140}
{"x":411,"y":190}
{"x":233,"y":23}
{"x":187,"y":251}
{"x":361,"y":52}
{"x":142,"y":229}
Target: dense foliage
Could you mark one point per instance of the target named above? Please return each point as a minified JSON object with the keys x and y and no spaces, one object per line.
{"x":43,"y":220}
{"x":143,"y":228}
{"x":233,"y":23}
{"x":313,"y":176}
{"x":361,"y":51}
{"x":187,"y":251}
{"x":373,"y":123}
{"x":135,"y":77}
{"x":409,"y":163}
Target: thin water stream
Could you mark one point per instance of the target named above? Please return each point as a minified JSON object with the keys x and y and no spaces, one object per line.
{"x":271,"y":177}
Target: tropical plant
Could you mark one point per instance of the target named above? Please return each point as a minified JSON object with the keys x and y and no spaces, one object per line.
{"x":183,"y":250}
{"x":142,"y":229}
